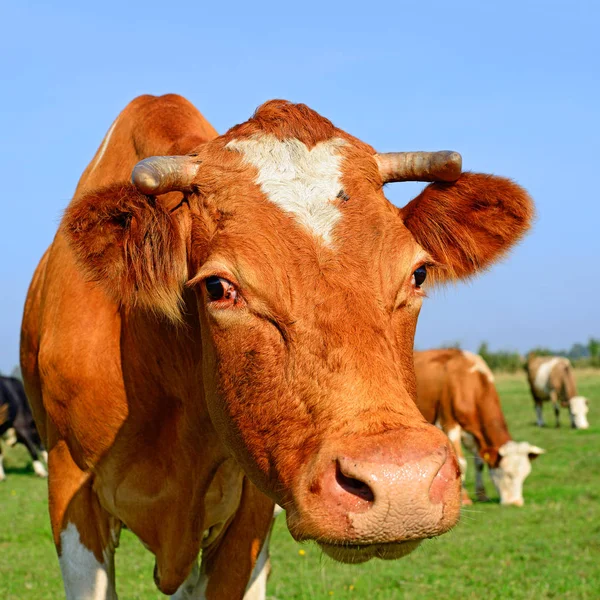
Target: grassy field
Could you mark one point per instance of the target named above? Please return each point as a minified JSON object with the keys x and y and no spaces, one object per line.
{"x":550,"y":548}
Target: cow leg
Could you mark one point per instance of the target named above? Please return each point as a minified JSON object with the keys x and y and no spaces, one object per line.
{"x":38,"y":466}
{"x":479,"y":486}
{"x":454,"y":435}
{"x":2,"y":473}
{"x":539,"y":414}
{"x":236,"y":567}
{"x":84,"y":533}
{"x":554,"y":399}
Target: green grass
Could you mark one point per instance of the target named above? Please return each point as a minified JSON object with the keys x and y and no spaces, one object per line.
{"x":550,"y":548}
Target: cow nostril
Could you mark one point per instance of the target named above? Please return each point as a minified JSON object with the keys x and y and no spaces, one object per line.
{"x":353,"y":486}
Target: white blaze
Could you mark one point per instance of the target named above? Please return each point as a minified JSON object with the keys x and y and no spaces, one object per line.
{"x":84,"y":577}
{"x":300,"y":181}
{"x":512,"y":471}
{"x":578,"y":407}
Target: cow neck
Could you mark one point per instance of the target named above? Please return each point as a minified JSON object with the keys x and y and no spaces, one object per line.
{"x":491,"y":419}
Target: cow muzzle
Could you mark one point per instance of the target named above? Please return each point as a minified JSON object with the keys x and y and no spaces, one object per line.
{"x":379,"y":496}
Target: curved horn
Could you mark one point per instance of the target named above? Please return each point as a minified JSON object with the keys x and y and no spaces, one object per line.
{"x":419,"y":166}
{"x":161,"y":174}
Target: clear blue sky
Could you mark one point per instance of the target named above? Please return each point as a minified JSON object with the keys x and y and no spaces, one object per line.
{"x":514,"y":86}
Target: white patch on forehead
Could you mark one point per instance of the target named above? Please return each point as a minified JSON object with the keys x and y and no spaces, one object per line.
{"x":300,"y":181}
{"x":84,"y":577}
{"x":542,"y":377}
{"x":479,"y":365}
{"x":104,"y":146}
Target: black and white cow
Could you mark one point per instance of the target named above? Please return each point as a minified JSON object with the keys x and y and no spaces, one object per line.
{"x":17,"y":425}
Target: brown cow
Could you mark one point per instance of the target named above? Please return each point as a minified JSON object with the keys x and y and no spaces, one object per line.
{"x":240,"y":322}
{"x":552,"y":378}
{"x":456,"y":389}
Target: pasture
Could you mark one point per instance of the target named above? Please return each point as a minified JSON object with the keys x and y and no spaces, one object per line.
{"x":550,"y":548}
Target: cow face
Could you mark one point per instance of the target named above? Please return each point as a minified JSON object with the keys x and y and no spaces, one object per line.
{"x":513,"y":468}
{"x":309,"y":284}
{"x":578,"y":410}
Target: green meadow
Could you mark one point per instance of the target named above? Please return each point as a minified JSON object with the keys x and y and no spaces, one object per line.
{"x":550,"y":548}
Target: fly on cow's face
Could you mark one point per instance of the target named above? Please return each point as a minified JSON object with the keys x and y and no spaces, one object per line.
{"x":343,"y":196}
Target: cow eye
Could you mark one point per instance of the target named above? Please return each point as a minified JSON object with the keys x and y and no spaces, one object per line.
{"x":218,"y":288}
{"x":420,"y":275}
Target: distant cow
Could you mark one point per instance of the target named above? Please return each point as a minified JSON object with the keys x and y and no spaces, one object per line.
{"x":235,"y":327}
{"x":16,"y":424}
{"x":552,"y":378}
{"x":456,"y":390}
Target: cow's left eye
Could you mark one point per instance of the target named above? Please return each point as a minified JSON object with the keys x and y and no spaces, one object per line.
{"x":419,"y":276}
{"x":219,"y":289}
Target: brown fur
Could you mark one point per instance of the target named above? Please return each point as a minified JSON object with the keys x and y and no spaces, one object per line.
{"x":139,"y":413}
{"x":132,"y":245}
{"x":465,"y":225}
{"x":561,"y":385}
{"x":449,"y":391}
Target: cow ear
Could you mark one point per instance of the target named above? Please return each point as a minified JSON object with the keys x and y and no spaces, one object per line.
{"x":469,"y":224}
{"x":131,"y":245}
{"x":491,"y":456}
{"x":534,"y":451}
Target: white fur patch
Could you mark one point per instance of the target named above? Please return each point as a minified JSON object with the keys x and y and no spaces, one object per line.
{"x":578,"y":407}
{"x":39,"y":469}
{"x":300,"y":181}
{"x":542,"y":377}
{"x":454,"y":434}
{"x":479,"y":365}
{"x":104,"y":145}
{"x":257,"y":586}
{"x":10,"y":436}
{"x":84,"y":577}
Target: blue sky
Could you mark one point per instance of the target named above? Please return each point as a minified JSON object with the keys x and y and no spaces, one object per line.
{"x":513,"y":86}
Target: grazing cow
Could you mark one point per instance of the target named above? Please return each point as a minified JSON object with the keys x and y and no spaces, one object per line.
{"x":552,"y":378}
{"x":235,"y":327}
{"x":17,"y":426}
{"x":456,"y":389}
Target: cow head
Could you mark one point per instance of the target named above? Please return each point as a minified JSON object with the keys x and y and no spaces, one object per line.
{"x":578,"y":410}
{"x":509,"y":467}
{"x":309,"y":283}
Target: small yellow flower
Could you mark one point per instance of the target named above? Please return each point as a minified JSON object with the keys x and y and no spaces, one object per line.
{"x":350,"y":587}
{"x":331,"y":592}
{"x":301,"y":552}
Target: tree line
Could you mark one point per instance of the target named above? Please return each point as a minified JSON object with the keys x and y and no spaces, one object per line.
{"x":580,"y":355}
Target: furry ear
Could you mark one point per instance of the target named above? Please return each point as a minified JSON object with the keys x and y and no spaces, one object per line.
{"x":470,"y":223}
{"x":131,"y":245}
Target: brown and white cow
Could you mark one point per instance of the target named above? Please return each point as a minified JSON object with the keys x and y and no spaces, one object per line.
{"x":456,"y":390}
{"x":552,"y":378}
{"x":236,"y":328}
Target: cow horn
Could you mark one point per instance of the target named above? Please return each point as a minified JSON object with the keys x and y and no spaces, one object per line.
{"x":419,"y":166}
{"x":161,"y":174}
